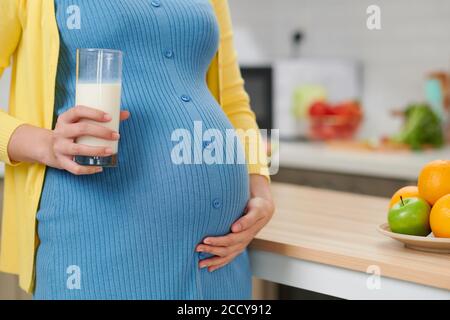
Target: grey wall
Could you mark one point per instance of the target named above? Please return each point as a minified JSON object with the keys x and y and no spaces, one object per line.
{"x":4,"y":94}
{"x":4,"y":88}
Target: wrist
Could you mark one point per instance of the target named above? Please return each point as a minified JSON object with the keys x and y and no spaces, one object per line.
{"x":30,"y":144}
{"x":43,"y":152}
{"x":260,"y":187}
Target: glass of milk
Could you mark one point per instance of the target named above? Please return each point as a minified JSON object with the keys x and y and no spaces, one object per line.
{"x":99,"y":86}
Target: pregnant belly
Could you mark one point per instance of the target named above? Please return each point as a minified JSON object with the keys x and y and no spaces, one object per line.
{"x":147,"y":194}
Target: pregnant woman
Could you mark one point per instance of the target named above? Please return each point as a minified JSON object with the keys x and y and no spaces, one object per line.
{"x":149,"y":228}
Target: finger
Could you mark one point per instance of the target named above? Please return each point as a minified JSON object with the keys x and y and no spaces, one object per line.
{"x":75,"y":149}
{"x":247,"y":221}
{"x":82,"y":112}
{"x":217,"y":251}
{"x":80,"y":129}
{"x":226,"y":241}
{"x":215,"y":261}
{"x":212,"y":269}
{"x":124,"y":115}
{"x":76,"y":169}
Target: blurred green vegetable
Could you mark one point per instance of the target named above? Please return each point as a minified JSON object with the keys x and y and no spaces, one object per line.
{"x":304,"y":96}
{"x":422,"y":127}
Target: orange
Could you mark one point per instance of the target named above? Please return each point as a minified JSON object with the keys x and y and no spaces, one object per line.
{"x":405,"y":192}
{"x":434,"y":180}
{"x":440,"y":218}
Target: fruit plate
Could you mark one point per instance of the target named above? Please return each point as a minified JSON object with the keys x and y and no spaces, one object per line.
{"x":428,"y":244}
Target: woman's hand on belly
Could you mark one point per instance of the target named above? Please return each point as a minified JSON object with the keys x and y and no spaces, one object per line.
{"x":259,"y":211}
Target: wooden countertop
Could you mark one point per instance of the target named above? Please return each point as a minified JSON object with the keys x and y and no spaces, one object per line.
{"x":340,"y":229}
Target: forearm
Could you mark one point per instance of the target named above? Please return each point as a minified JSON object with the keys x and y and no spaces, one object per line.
{"x":30,"y":144}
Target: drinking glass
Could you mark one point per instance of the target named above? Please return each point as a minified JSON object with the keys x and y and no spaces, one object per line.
{"x":99,"y":86}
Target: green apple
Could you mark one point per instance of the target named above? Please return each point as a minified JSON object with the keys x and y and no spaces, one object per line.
{"x":410,"y":216}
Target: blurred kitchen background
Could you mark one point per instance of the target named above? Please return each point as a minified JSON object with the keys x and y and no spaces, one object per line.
{"x":358,"y":110}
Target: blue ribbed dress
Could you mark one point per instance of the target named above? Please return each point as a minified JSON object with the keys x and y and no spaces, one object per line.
{"x":131,"y":231}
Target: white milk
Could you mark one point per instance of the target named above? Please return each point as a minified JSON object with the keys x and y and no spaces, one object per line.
{"x":105,"y":97}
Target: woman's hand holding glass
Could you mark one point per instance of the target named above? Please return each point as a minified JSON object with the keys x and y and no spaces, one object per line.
{"x":68,"y":128}
{"x":56,"y":148}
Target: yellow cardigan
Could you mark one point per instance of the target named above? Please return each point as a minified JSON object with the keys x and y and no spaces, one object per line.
{"x":29,"y":34}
